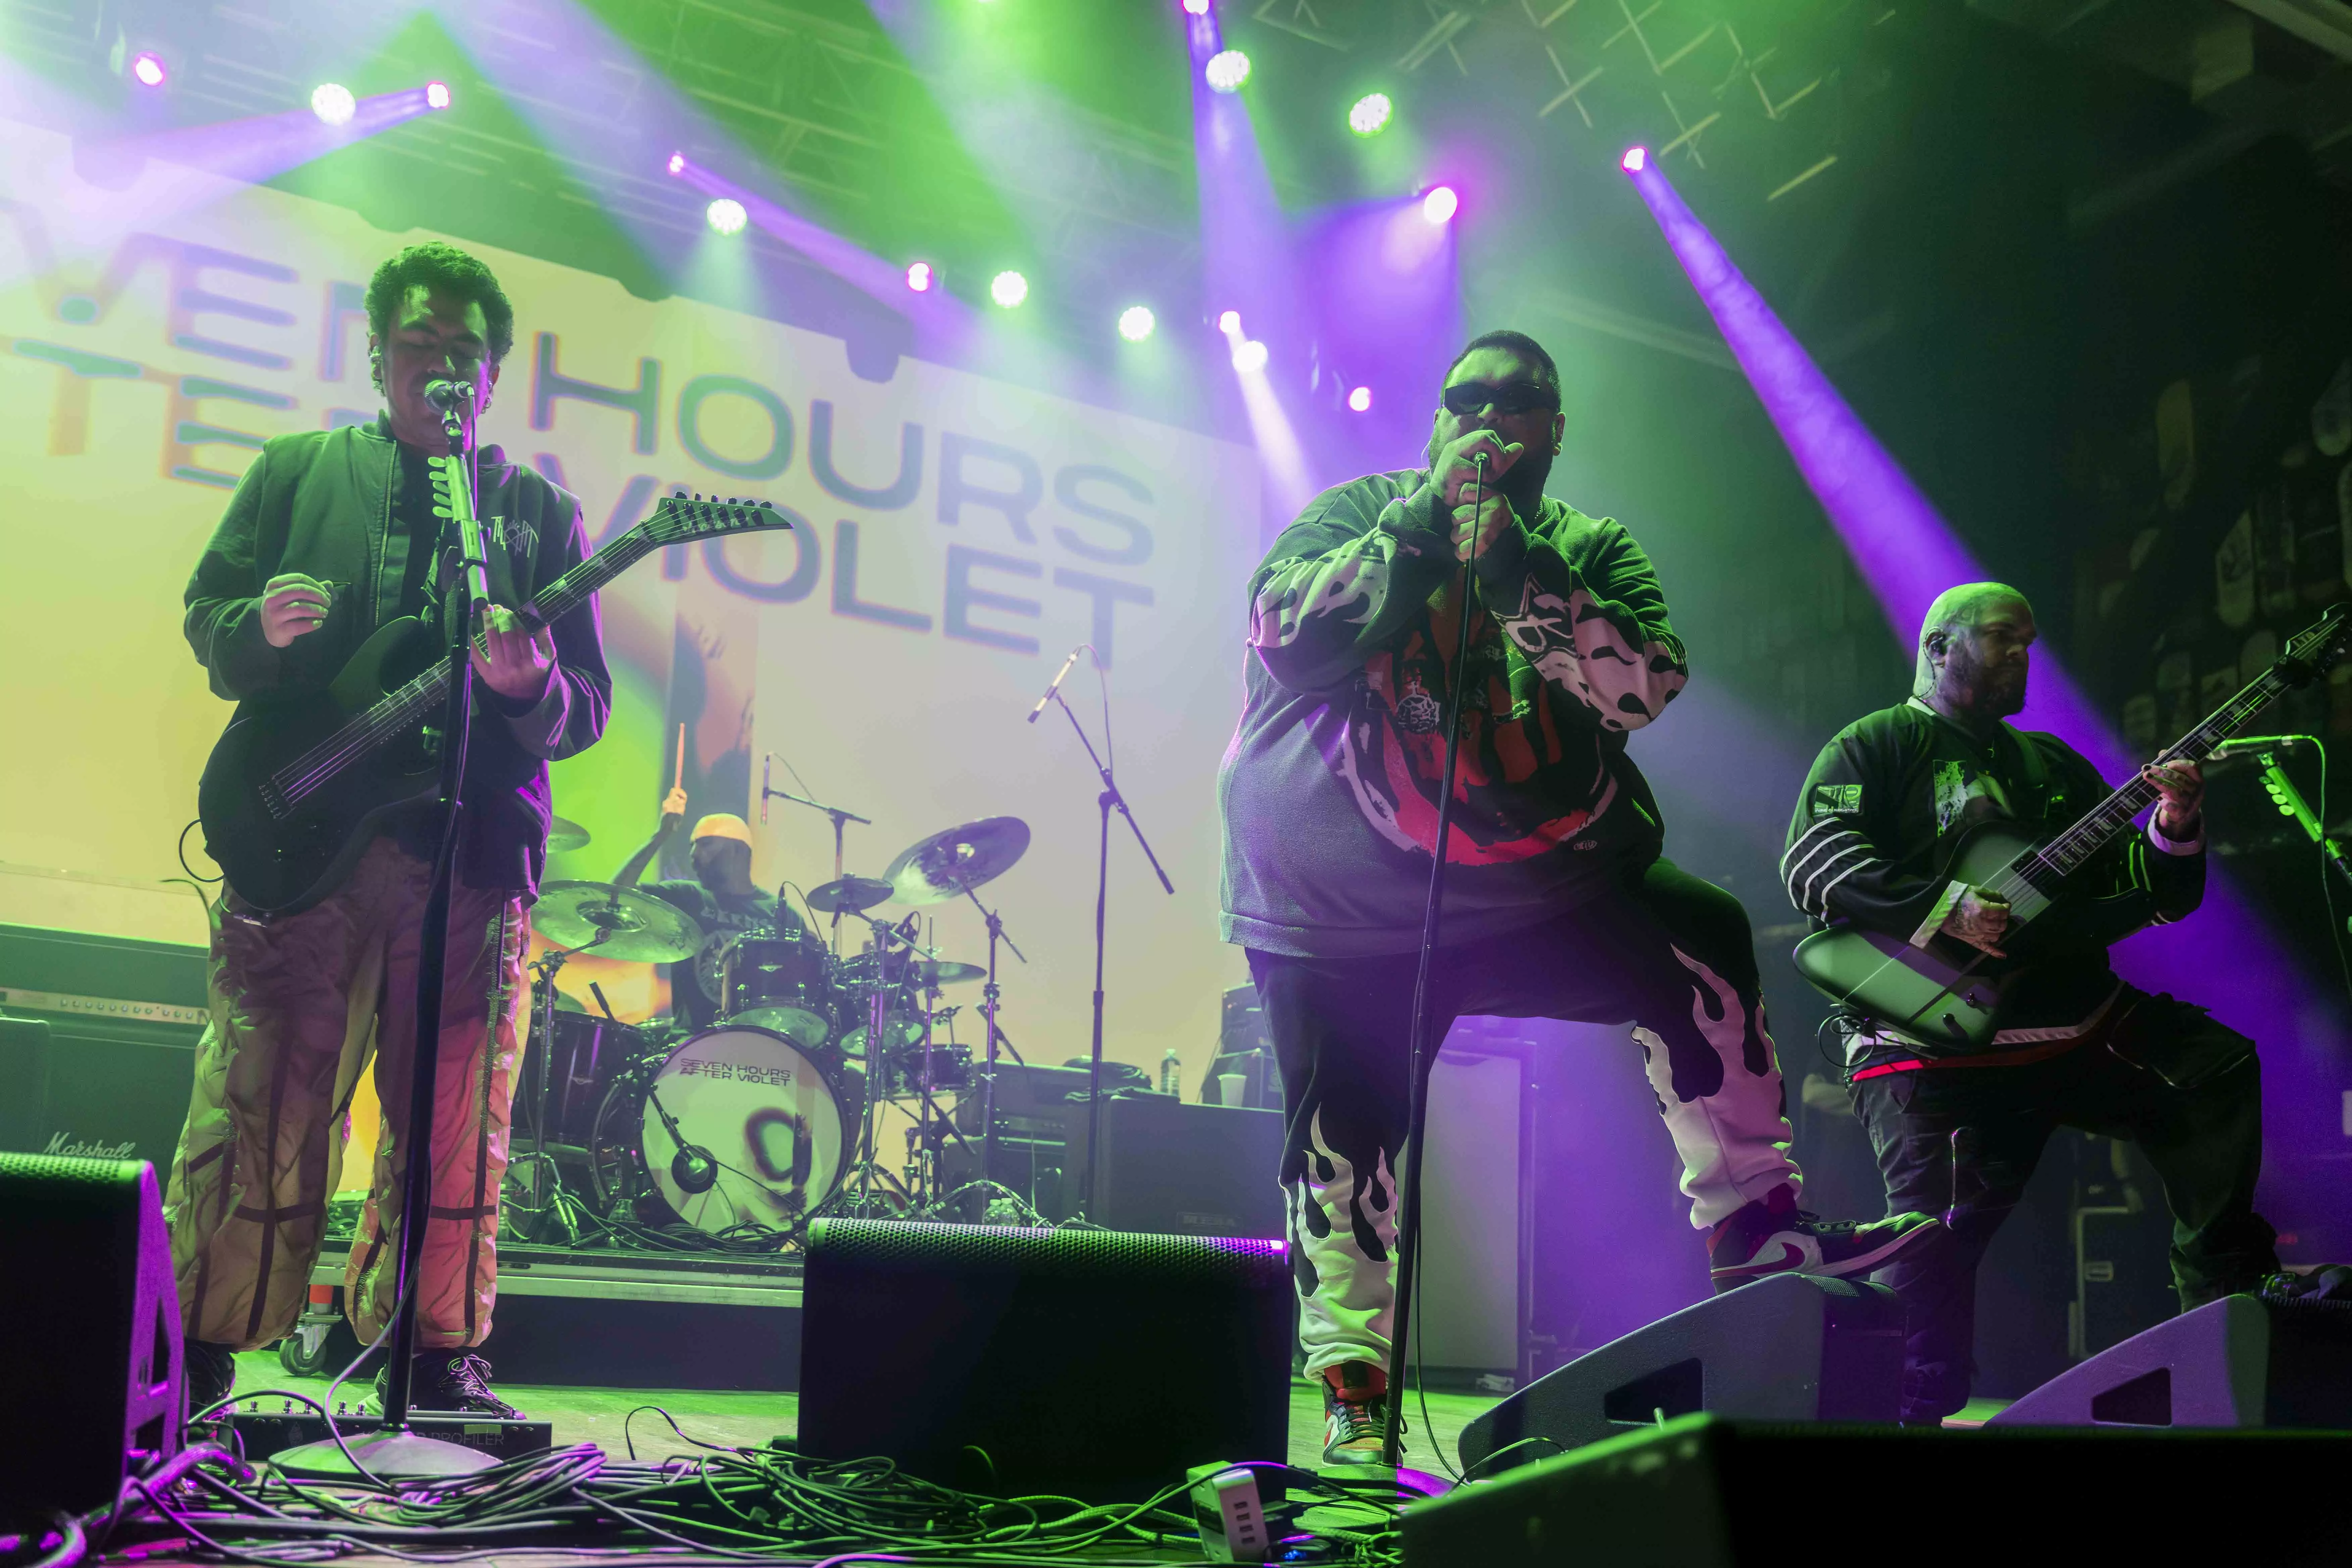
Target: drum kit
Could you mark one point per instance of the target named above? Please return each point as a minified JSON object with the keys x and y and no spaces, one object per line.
{"x":746,"y":1130}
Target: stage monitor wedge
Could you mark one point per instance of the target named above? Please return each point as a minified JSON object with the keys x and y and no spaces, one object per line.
{"x":1097,"y":1365}
{"x":2238,"y":1362}
{"x":91,"y":1322}
{"x":1788,"y":1348}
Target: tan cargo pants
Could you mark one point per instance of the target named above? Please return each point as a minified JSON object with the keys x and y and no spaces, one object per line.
{"x":298,"y":1005}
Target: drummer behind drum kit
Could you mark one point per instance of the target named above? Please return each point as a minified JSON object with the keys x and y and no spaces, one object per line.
{"x":747,"y":1130}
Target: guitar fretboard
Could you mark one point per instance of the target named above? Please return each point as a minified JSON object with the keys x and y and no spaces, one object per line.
{"x":677,"y":520}
{"x":2034,"y":879}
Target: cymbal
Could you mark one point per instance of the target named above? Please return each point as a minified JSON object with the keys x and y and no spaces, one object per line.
{"x":849,"y":895}
{"x":615,"y":922}
{"x":567,"y":1003}
{"x":563,"y":833}
{"x":944,"y":865}
{"x":946,"y":971}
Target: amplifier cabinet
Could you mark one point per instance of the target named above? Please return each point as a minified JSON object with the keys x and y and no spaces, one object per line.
{"x":98,"y":1039}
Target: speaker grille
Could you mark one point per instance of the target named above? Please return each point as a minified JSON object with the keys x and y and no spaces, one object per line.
{"x":912,"y":1246}
{"x":54,"y":1171}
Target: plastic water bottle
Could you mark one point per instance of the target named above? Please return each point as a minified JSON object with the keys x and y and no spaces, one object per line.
{"x":1172,"y":1074}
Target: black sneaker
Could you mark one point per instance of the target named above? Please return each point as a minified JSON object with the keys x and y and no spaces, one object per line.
{"x":1355,"y":1413}
{"x":207,"y":1373}
{"x":453,"y":1382}
{"x":1772,"y":1235}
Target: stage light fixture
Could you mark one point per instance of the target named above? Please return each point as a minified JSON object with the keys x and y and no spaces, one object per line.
{"x":1440,"y":206}
{"x":1008,"y":289}
{"x":678,"y":162}
{"x":1229,"y":323}
{"x":726,"y":215}
{"x":1196,"y":7}
{"x":919,"y":277}
{"x":1636,"y":159}
{"x":437,"y":95}
{"x":333,"y":102}
{"x":1361,"y":400}
{"x":1227,"y":70}
{"x":1249,"y":356}
{"x":1137,"y":322}
{"x":147,"y":69}
{"x":1368,"y":115}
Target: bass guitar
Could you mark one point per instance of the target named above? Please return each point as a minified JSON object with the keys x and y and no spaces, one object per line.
{"x":1951,"y":995}
{"x":294,"y":790}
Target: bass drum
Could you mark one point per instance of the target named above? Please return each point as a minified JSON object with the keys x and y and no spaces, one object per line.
{"x":780,"y":1120}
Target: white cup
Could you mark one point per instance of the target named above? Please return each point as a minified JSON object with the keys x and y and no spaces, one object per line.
{"x":1232,"y":1088}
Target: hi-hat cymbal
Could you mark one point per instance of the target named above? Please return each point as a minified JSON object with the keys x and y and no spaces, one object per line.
{"x":849,"y":895}
{"x":615,"y":922}
{"x":946,"y":971}
{"x":944,"y":865}
{"x":563,"y":833}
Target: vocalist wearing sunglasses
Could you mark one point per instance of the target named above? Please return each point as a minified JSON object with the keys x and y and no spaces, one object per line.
{"x":1558,"y":900}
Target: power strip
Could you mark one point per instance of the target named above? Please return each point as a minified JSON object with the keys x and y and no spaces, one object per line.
{"x":261,"y":1433}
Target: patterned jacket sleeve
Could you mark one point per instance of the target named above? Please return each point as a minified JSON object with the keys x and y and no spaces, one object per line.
{"x":1341,"y":580}
{"x":1600,"y":641}
{"x":1836,"y":866}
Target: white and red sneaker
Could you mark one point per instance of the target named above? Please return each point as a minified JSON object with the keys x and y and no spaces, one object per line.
{"x":1355,"y":1413}
{"x":1772,"y":1235}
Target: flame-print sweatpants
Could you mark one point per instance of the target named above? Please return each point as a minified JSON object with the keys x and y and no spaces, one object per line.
{"x":298,"y":1005}
{"x":1665,"y":951}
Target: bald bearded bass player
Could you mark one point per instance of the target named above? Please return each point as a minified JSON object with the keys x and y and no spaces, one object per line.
{"x":1958,"y":1131}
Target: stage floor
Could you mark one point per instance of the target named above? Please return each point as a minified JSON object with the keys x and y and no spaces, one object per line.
{"x":747,"y":1420}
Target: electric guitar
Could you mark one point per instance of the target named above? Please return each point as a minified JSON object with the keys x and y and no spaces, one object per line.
{"x":1952,"y":996}
{"x":294,"y":789}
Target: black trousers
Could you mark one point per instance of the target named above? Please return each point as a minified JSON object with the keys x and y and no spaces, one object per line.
{"x":1664,"y":950}
{"x":1963,"y":1142}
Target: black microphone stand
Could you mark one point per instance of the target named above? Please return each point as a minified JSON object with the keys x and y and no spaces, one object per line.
{"x":1109,"y":798}
{"x":393,"y":1450}
{"x":1417,"y":1077}
{"x":841,"y":819}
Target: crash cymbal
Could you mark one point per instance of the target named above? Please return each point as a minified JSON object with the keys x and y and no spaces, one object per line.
{"x":849,"y":895}
{"x":946,"y":971}
{"x":563,"y":833}
{"x":567,"y":1003}
{"x":944,"y":865}
{"x":615,"y":922}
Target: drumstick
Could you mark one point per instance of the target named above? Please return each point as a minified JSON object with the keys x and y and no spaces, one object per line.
{"x":677,"y":781}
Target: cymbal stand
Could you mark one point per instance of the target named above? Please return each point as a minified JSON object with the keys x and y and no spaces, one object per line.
{"x":989,"y":996}
{"x":877,"y":1013}
{"x":841,"y":819}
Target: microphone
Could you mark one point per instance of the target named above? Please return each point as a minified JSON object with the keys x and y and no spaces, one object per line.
{"x":693,"y":1169}
{"x":1058,"y":683}
{"x":450,"y":396}
{"x":2259,"y":743}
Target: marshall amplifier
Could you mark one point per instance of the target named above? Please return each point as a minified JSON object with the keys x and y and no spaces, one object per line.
{"x":97,"y":1039}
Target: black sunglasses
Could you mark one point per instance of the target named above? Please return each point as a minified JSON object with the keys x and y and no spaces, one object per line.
{"x":1466,"y":397}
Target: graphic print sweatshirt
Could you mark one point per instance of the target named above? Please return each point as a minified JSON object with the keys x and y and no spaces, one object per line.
{"x":1329,"y":791}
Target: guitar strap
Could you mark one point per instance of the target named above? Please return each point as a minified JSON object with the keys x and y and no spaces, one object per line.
{"x":2032,"y":772}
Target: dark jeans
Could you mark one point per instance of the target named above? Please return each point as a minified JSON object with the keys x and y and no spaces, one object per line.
{"x":1963,"y":1142}
{"x":1664,"y":951}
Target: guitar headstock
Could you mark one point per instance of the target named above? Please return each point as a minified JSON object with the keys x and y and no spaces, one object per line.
{"x":682,"y":518}
{"x":2315,"y":649}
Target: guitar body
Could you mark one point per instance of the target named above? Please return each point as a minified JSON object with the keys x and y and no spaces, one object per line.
{"x":283,"y":860}
{"x":1946,"y":993}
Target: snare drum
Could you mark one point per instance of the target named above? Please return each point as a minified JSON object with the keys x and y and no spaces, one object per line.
{"x":781,"y":983}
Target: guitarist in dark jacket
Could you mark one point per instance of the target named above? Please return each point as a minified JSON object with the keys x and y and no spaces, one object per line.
{"x":1959,"y":1134}
{"x":331,"y":535}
